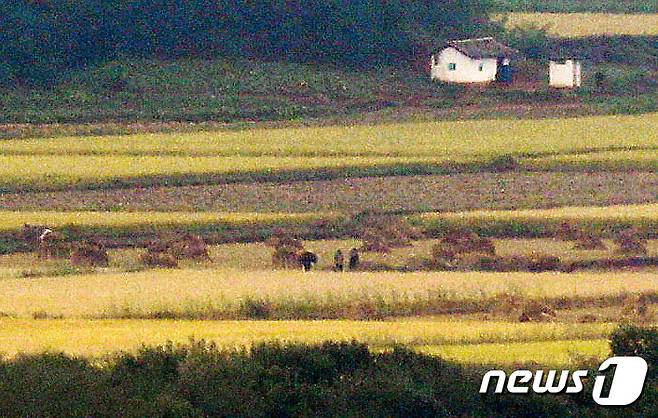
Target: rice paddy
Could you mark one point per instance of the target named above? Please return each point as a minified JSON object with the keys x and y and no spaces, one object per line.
{"x":466,"y":341}
{"x":312,"y":152}
{"x":228,"y":293}
{"x":568,"y":25}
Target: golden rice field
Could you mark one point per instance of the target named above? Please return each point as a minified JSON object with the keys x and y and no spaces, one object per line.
{"x":222,"y":292}
{"x":411,"y":139}
{"x":569,"y":25}
{"x":491,"y":342}
{"x":645,"y":216}
{"x":251,"y":154}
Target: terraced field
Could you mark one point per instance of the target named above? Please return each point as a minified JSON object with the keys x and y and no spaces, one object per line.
{"x":324,"y":152}
{"x":596,"y":172}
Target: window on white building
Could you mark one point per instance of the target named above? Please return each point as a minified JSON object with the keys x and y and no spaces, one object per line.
{"x":481,"y":67}
{"x":452,"y":66}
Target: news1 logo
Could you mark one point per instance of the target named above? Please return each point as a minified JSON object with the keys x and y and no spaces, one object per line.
{"x":626,"y":387}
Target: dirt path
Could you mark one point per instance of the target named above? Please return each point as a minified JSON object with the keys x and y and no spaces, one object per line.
{"x":413,"y":193}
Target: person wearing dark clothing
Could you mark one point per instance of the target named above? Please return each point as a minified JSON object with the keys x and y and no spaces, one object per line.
{"x":339,"y":261}
{"x":307,"y":259}
{"x":354,"y":258}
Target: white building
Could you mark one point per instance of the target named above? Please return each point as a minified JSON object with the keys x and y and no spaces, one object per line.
{"x":479,"y":60}
{"x":564,"y":74}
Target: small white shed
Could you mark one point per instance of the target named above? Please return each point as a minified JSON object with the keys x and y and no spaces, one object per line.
{"x":564,"y":73}
{"x":478,"y":60}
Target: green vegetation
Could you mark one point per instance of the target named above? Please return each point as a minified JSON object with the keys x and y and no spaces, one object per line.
{"x":60,"y":35}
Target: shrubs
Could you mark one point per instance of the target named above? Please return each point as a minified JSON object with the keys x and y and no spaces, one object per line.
{"x":633,"y":340}
{"x":273,"y":379}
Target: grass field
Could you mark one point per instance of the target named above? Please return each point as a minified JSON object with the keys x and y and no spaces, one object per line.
{"x":568,"y":25}
{"x":318,"y":152}
{"x":498,"y":343}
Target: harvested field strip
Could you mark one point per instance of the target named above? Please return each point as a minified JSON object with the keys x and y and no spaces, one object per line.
{"x":569,"y":25}
{"x":541,"y":222}
{"x":455,"y":192}
{"x":293,"y":294}
{"x":103,"y":336}
{"x":599,"y":160}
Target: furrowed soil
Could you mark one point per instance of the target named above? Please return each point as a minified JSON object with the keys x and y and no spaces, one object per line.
{"x":455,"y":192}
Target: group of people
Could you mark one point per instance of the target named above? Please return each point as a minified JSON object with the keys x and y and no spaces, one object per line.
{"x":339,"y":260}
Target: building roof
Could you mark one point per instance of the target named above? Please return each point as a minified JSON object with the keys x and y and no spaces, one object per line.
{"x":483,"y":48}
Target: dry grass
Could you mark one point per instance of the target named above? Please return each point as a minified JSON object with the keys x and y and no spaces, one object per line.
{"x":568,"y":25}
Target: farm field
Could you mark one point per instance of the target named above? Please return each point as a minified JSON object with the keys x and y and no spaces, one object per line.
{"x":199,"y":293}
{"x":453,"y":192}
{"x":569,"y":25}
{"x":465,"y":341}
{"x":322,"y":152}
{"x":232,"y":256}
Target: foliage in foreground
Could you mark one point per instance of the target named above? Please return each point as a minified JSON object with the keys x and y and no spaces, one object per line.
{"x":331,"y":379}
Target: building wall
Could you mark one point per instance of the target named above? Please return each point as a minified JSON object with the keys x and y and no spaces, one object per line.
{"x":565,"y":74}
{"x":467,"y":70}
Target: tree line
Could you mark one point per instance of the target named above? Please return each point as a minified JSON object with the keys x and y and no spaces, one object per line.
{"x":40,"y":38}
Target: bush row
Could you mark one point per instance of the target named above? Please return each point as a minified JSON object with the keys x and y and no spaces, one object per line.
{"x":274,"y":380}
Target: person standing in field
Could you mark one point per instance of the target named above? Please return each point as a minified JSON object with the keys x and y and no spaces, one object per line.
{"x":354,"y":259}
{"x":339,"y":261}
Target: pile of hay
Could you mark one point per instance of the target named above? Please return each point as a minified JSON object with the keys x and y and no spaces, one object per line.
{"x":630,"y":242}
{"x":459,"y":243}
{"x":167,"y":252}
{"x":583,"y":240}
{"x":89,"y":253}
{"x":381,"y":233}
